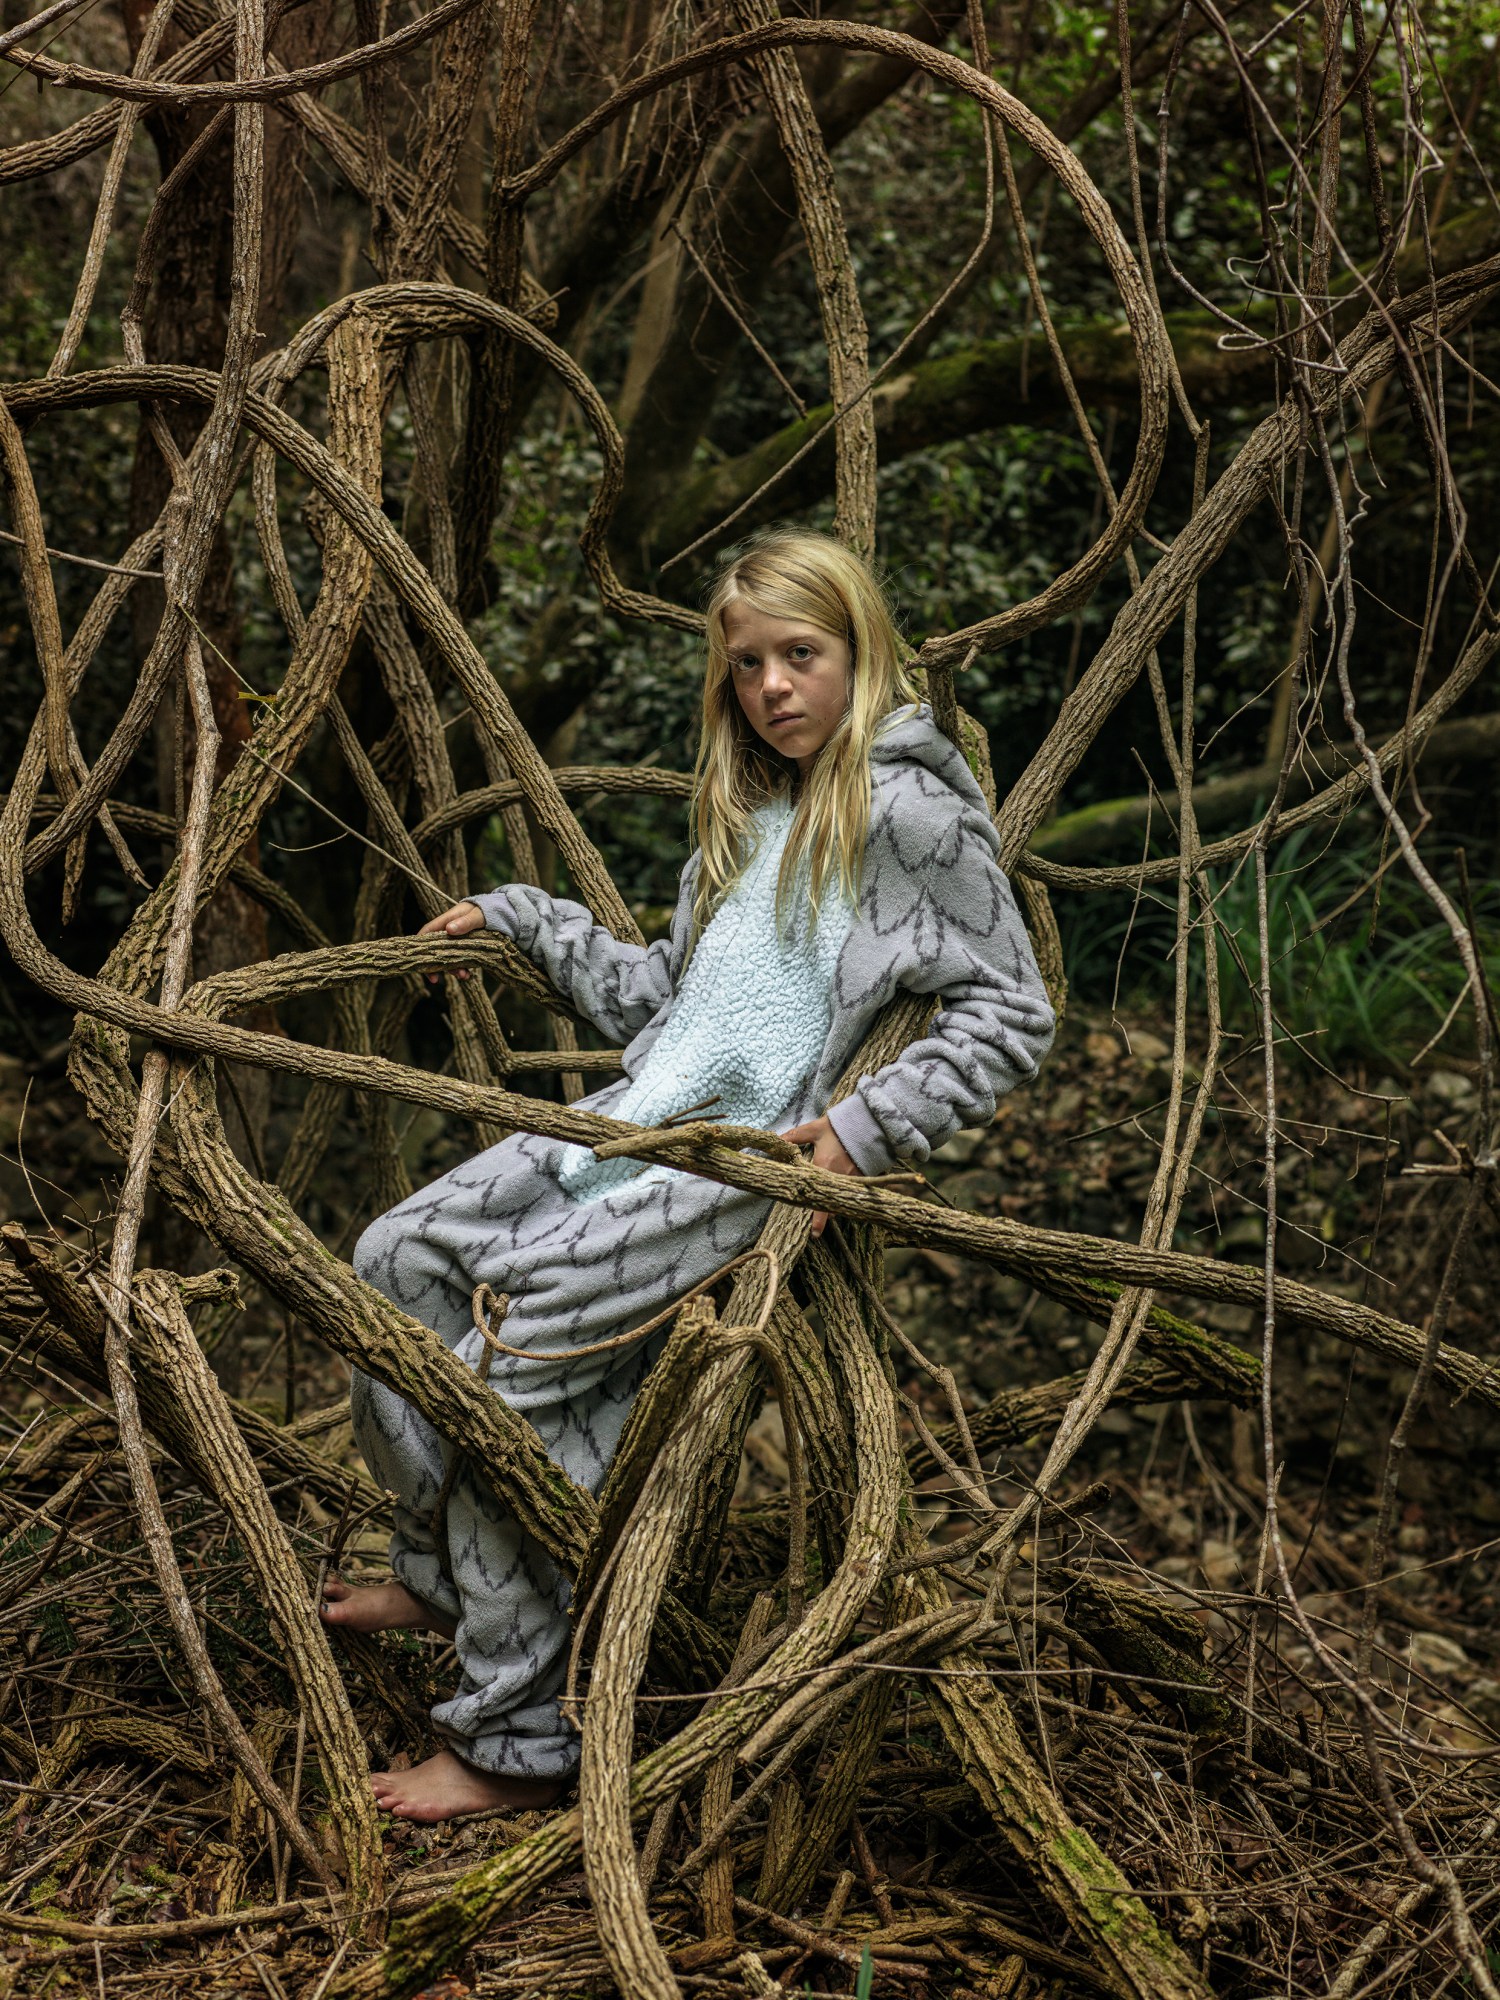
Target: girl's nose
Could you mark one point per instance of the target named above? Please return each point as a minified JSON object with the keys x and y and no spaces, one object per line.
{"x":775,"y":680}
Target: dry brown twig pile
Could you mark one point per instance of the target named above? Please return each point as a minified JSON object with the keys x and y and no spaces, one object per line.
{"x":801,"y":1674}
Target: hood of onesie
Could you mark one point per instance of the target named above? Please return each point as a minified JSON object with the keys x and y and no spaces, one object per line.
{"x":924,"y":903}
{"x":909,"y":742}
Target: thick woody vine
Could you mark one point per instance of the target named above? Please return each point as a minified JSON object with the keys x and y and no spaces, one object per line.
{"x":885,"y":1599}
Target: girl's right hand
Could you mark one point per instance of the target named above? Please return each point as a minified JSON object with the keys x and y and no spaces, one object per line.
{"x":456,"y":922}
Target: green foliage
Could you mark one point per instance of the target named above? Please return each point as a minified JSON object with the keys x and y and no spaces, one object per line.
{"x":965,"y":529}
{"x":41,"y":1894}
{"x":57,"y":1630}
{"x":27,"y":1541}
{"x":1360,"y":973}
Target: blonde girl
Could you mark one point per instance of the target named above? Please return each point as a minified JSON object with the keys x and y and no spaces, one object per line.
{"x":844,"y":855}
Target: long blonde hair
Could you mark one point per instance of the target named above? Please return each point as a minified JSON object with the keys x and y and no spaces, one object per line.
{"x":794,"y":575}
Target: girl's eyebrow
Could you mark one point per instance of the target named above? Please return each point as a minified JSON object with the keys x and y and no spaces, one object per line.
{"x":809,"y":638}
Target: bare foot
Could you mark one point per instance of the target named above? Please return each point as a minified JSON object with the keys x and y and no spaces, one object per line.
{"x":445,"y":1787}
{"x":381,"y":1607}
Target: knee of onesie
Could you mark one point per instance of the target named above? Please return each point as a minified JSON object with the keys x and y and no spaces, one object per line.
{"x":415,"y":1274}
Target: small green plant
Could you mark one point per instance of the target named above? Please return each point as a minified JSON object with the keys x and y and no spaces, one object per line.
{"x":864,"y":1979}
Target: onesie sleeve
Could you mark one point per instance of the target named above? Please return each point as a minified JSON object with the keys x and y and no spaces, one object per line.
{"x":616,"y":987}
{"x":939,"y":904}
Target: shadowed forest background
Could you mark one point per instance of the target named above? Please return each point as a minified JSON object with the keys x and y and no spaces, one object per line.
{"x":1215,"y":1536}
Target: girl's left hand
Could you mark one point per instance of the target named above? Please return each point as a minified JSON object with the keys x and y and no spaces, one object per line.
{"x":827,"y":1154}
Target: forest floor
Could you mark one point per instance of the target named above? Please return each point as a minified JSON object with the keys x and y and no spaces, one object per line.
{"x":1277,"y":1869}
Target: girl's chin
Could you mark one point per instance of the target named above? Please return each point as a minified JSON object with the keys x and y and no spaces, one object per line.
{"x":799,"y":742}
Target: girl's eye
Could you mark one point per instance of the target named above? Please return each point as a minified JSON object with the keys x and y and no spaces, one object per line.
{"x":800,"y":653}
{"x":744,"y":663}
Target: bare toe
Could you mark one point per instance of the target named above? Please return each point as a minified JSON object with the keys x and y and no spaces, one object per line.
{"x":380,"y":1607}
{"x":445,"y":1787}
{"x":336,"y":1594}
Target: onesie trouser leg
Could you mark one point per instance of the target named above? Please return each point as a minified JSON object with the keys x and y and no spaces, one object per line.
{"x":575,"y":1273}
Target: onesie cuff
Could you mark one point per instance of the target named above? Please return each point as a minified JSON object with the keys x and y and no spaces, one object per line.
{"x":495,"y":907}
{"x":855,"y":1129}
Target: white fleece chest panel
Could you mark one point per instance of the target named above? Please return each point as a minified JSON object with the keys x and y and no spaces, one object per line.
{"x":750,"y":1018}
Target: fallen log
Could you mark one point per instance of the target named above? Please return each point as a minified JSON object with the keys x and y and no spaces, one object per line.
{"x":1112,"y":824}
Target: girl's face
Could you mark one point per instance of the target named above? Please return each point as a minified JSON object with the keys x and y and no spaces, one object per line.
{"x":790,"y":678}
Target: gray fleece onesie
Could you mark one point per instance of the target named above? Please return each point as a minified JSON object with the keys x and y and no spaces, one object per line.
{"x":583,"y":1259}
